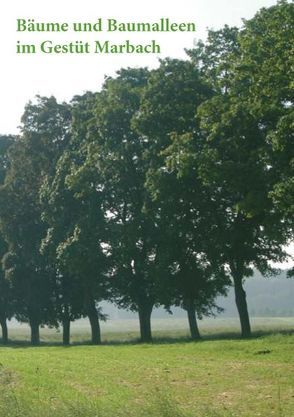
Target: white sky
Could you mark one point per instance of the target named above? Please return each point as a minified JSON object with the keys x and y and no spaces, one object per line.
{"x":24,"y":76}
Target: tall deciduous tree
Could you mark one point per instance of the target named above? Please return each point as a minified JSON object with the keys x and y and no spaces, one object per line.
{"x":241,"y":122}
{"x":45,"y":131}
{"x":73,"y":212}
{"x":6,"y":302}
{"x":117,"y":155}
{"x":192,"y":276}
{"x":264,"y":77}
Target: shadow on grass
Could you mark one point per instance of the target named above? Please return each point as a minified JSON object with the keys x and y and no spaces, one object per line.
{"x":157,"y":340}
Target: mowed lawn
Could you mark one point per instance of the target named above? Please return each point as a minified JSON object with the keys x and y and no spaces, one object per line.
{"x":221,"y":377}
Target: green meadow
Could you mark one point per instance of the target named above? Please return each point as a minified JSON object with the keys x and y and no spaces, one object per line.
{"x":219,"y":376}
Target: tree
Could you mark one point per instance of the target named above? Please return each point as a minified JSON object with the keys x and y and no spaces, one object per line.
{"x":192,"y":276}
{"x":44,"y":133}
{"x":116,"y":156}
{"x":72,"y":209}
{"x":266,"y":68}
{"x":5,"y":290}
{"x":214,"y":58}
{"x":238,"y":164}
{"x":22,"y":229}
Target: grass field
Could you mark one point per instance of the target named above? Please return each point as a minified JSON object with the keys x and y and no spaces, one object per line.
{"x":128,"y":330}
{"x":219,"y":376}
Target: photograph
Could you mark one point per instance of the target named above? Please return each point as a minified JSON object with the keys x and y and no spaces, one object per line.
{"x":147,"y":208}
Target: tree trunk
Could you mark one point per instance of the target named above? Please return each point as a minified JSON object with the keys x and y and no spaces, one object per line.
{"x":35,"y":332}
{"x":66,"y":331}
{"x":240,"y":297}
{"x":3,"y":324}
{"x":190,"y":307}
{"x":94,"y":323}
{"x":145,"y":323}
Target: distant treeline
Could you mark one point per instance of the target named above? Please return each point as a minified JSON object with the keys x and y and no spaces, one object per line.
{"x":270,"y":297}
{"x":164,"y":188}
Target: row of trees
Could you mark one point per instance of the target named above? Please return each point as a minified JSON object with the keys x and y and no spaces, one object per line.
{"x":161,"y":189}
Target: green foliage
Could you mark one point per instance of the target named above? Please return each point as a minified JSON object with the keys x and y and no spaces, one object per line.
{"x":6,"y":298}
{"x":239,"y":161}
{"x":167,"y":120}
{"x":30,"y":160}
{"x":151,"y":191}
{"x":216,"y":57}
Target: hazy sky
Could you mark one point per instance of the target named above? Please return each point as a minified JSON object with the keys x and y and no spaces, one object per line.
{"x":24,"y":76}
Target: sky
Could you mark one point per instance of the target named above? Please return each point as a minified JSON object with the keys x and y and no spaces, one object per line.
{"x":24,"y":76}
